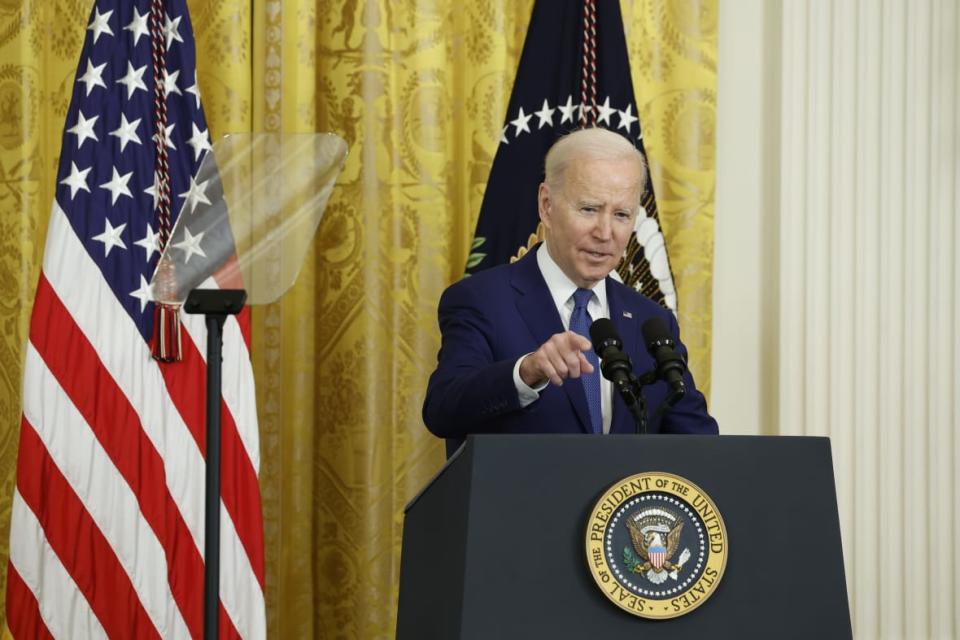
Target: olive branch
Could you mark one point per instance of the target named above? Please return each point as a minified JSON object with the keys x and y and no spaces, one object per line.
{"x":475,"y":257}
{"x":632,"y":560}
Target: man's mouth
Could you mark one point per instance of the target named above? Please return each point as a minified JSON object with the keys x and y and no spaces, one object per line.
{"x":596,"y":255}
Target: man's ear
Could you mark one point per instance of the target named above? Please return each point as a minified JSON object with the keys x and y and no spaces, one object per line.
{"x":544,"y":203}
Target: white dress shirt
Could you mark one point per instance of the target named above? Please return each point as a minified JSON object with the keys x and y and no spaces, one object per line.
{"x":562,"y":290}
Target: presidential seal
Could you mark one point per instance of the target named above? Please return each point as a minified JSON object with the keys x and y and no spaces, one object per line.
{"x":656,"y":545}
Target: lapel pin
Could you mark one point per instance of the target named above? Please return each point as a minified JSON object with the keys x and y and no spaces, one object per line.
{"x":627,"y":314}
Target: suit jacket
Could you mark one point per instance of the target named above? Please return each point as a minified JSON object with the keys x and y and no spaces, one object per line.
{"x":490,"y":319}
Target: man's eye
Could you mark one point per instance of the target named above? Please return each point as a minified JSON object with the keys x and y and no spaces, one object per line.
{"x":588,"y":209}
{"x":623,"y":215}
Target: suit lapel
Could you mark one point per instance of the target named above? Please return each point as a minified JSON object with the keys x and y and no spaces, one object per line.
{"x":625,"y":320}
{"x":536,"y":307}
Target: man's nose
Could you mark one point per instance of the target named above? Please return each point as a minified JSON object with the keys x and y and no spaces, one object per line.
{"x":603,"y":229}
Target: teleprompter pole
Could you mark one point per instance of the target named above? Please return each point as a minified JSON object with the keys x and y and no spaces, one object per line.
{"x":216,"y":305}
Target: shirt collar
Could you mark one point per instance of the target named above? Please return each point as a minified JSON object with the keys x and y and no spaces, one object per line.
{"x":560,"y":286}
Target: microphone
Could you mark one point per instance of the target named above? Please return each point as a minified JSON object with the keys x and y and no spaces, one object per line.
{"x":617,"y":368}
{"x":614,"y":363}
{"x":670,"y":366}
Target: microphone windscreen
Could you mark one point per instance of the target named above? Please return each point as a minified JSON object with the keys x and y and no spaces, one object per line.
{"x":655,"y":330}
{"x":602,"y":330}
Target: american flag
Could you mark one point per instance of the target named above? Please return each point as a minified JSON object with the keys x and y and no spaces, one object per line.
{"x":107,"y":525}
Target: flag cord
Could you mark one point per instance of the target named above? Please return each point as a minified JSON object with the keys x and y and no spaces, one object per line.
{"x":588,"y":70}
{"x":166,"y":344}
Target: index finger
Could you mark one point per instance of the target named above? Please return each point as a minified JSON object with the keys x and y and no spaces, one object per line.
{"x":578,"y":341}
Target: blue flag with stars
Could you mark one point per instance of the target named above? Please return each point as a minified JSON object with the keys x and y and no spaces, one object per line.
{"x":546,"y":104}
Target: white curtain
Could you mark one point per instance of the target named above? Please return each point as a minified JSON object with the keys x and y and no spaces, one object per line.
{"x":837,"y":276}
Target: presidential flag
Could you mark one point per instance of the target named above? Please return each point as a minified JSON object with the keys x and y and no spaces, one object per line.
{"x":107,"y":531}
{"x":574,"y":72}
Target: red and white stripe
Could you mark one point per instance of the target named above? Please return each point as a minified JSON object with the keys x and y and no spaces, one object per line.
{"x":107,"y":528}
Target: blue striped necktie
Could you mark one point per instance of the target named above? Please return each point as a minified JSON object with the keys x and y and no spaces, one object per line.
{"x":580,"y":323}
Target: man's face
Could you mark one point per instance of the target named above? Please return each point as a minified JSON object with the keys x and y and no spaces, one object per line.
{"x":589,"y":216}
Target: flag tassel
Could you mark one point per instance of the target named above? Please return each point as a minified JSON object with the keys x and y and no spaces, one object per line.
{"x":167,"y":346}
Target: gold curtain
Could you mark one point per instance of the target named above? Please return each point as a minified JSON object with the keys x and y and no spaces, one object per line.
{"x":419,"y":91}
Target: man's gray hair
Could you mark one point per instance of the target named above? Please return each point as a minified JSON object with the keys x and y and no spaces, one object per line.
{"x":591,"y":143}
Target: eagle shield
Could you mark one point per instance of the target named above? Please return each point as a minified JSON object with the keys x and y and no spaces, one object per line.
{"x":655,"y":535}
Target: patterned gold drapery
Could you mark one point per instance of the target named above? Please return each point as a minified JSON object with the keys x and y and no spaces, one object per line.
{"x":418,"y":90}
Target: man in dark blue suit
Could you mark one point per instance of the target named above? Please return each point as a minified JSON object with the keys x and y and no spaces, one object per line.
{"x":514,"y":356}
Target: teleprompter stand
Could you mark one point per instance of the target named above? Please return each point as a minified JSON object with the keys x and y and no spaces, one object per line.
{"x":221,"y":256}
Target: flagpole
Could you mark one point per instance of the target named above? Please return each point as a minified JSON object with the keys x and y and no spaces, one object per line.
{"x":216,"y":305}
